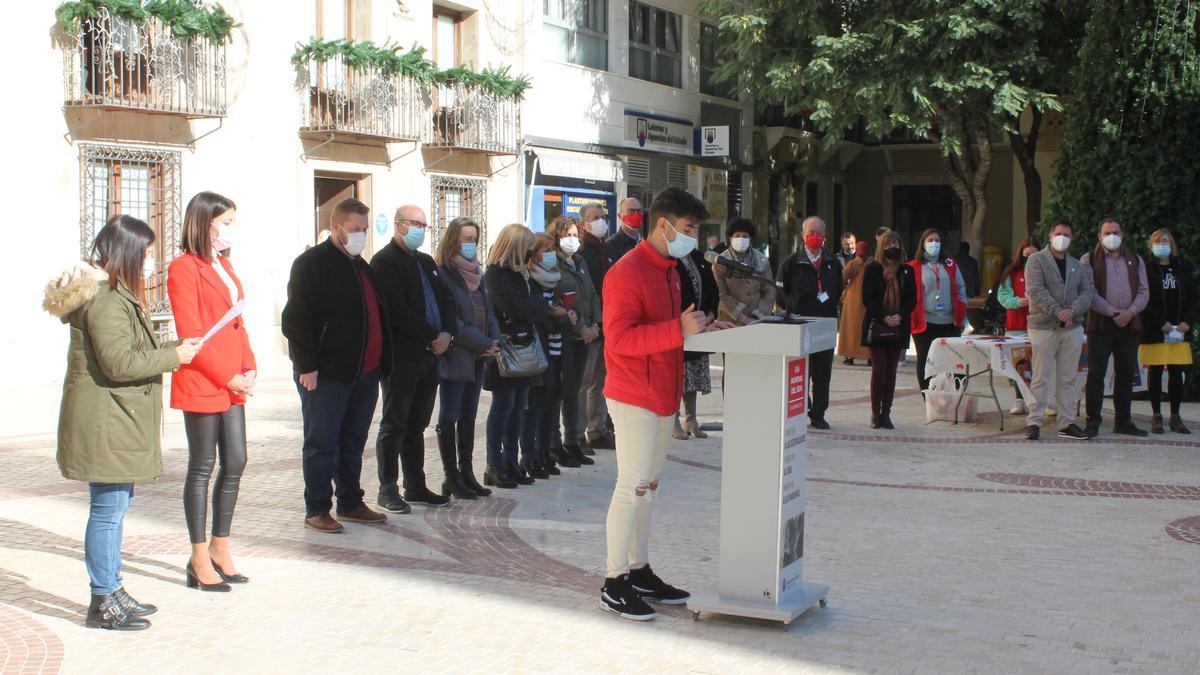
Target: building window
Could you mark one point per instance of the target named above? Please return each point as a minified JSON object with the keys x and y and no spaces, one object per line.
{"x":577,"y":31}
{"x":455,"y":197}
{"x":142,"y":183}
{"x":709,"y":62}
{"x":654,"y":44}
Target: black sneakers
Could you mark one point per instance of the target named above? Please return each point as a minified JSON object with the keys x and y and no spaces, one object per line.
{"x":650,"y":587}
{"x":619,"y":597}
{"x":425,"y":496}
{"x":1033,"y":432}
{"x":1074,"y":432}
{"x":392,"y":503}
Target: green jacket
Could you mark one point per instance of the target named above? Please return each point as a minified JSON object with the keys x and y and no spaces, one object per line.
{"x":587,"y":300}
{"x":111,"y":414}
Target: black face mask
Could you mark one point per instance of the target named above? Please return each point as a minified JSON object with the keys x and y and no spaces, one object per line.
{"x":891,"y":253}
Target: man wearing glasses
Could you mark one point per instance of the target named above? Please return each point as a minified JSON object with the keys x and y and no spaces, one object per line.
{"x":421,"y":317}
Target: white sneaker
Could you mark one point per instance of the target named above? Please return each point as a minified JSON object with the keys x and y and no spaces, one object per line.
{"x":1018,"y":408}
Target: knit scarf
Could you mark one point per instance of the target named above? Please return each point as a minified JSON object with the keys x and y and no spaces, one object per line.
{"x":471,"y":271}
{"x":546,"y":279}
{"x":891,"y":288}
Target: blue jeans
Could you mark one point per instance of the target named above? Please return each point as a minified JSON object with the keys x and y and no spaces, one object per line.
{"x":102,"y":538}
{"x":337,"y":417}
{"x":459,"y":401}
{"x":504,"y":421}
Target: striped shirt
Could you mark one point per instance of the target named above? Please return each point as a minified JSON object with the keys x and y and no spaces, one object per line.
{"x":554,"y":341}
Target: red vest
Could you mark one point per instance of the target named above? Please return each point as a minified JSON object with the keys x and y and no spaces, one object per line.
{"x":1017,"y":319}
{"x":918,"y":315}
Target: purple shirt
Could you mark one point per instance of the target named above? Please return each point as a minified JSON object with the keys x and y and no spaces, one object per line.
{"x":1118,"y":295}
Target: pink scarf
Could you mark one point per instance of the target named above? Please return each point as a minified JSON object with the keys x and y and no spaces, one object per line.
{"x":470,"y":270}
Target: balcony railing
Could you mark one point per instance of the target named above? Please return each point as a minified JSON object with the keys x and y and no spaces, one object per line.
{"x":476,"y":120}
{"x":115,"y":63}
{"x":362,"y":102}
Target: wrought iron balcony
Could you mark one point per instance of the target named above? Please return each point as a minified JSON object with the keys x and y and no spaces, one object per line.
{"x":114,"y":63}
{"x":362,"y":102}
{"x":475,"y":120}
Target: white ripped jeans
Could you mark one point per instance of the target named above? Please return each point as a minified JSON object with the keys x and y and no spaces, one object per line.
{"x":642,"y":442}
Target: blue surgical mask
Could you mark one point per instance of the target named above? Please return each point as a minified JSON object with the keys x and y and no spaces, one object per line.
{"x":1161,"y":250}
{"x":469,"y":250}
{"x":681,"y":245}
{"x":414,"y":238}
{"x":549,"y":260}
{"x":933,"y":248}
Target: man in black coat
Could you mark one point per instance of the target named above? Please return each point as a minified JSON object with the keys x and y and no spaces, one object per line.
{"x":970,"y":270}
{"x":629,"y":230}
{"x":422,"y":316}
{"x":593,"y":227}
{"x":336,"y":325}
{"x":812,"y":286}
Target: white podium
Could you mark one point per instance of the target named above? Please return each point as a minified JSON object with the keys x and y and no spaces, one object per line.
{"x":763,"y":458}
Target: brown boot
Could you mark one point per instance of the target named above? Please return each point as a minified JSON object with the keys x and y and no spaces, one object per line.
{"x":323,"y":523}
{"x":1176,"y":424}
{"x":679,"y":433}
{"x":691,"y":424}
{"x":362,"y":514}
{"x":1156,"y":426}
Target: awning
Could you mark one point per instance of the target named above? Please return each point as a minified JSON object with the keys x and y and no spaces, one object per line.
{"x":580,"y":165}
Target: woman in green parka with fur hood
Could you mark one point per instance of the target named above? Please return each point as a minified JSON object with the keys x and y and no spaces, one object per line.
{"x":108,"y":426}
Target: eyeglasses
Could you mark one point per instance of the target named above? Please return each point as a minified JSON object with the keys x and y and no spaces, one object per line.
{"x":414,"y":223}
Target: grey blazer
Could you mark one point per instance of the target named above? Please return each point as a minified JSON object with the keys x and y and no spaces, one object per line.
{"x":458,"y":364}
{"x":1048,"y":293}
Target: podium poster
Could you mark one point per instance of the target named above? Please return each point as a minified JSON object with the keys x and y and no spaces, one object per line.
{"x":792,"y":458}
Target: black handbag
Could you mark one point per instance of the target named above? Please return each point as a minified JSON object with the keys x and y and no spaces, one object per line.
{"x":521,"y":355}
{"x":995,"y":315}
{"x":880,"y":330}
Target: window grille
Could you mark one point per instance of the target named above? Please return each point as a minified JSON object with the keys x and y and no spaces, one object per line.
{"x":455,"y":197}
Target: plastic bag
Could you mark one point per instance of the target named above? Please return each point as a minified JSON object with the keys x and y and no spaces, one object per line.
{"x":942,"y":396}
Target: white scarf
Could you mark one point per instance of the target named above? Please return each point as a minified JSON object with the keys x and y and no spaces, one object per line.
{"x":546,"y":279}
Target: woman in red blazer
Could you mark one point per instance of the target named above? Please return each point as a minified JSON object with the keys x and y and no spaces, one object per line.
{"x":212,"y":390}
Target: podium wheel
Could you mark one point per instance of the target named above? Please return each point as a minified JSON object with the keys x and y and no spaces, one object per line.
{"x":822,"y":603}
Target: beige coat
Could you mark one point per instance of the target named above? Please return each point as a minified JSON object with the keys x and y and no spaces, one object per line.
{"x":745,"y":300}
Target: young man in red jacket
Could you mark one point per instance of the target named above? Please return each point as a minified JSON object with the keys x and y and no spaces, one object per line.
{"x":644,"y":328}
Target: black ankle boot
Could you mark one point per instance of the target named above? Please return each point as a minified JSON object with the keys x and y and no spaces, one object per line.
{"x":136,"y":608}
{"x":549,"y":464}
{"x":535,"y":469}
{"x":453,"y":486}
{"x":106,"y":611}
{"x":497,"y":477}
{"x":577,"y":454}
{"x":519,"y":474}
{"x":564,"y":458}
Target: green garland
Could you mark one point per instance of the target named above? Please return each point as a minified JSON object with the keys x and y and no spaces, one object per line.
{"x":412,"y":63}
{"x":182,"y":18}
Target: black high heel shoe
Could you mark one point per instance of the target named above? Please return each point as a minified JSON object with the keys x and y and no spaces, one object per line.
{"x":230,"y":578}
{"x":194,"y":582}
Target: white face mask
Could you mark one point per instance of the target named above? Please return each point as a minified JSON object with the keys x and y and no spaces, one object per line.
{"x":1111,"y":242}
{"x":149,"y":267}
{"x":569,"y":245}
{"x":224,"y":238}
{"x":355,"y":242}
{"x":1061,"y":243}
{"x":740,"y":244}
{"x":598,"y":228}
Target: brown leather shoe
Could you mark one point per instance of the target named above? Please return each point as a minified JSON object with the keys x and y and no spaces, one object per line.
{"x":323,"y":523}
{"x":362,"y":514}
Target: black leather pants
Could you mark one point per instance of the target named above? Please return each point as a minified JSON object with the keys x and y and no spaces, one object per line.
{"x":208,"y":435}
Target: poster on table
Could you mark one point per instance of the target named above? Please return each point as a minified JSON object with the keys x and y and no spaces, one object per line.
{"x":793,"y":457}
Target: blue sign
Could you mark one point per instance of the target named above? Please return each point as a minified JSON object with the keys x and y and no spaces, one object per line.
{"x":381,"y":224}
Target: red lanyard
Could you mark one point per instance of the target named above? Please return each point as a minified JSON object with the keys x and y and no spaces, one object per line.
{"x":937,"y":276}
{"x":817,"y":269}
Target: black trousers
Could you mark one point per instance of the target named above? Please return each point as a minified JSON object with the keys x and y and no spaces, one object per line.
{"x":1121,"y":345}
{"x":933,"y":331}
{"x":210,"y":436}
{"x":1174,"y":387}
{"x":408,"y":397}
{"x":574,"y":362}
{"x":820,"y":371}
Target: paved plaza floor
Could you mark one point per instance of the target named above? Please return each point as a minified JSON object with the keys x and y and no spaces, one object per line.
{"x":948,"y":549}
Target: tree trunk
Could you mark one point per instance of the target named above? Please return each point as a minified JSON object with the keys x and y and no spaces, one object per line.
{"x":1025,"y":150}
{"x":968,"y":174}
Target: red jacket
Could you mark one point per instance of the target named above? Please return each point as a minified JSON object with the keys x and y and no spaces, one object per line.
{"x":1017,"y":319}
{"x":643,"y":344}
{"x":918,"y":315}
{"x":198,"y":300}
